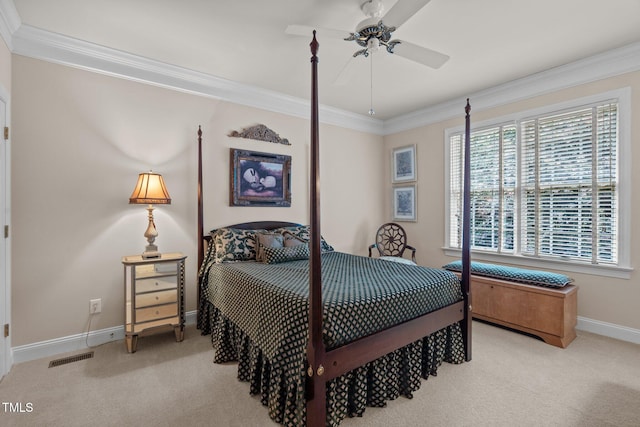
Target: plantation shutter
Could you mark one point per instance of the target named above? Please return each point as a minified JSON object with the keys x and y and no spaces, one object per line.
{"x":455,"y":190}
{"x":569,"y":178}
{"x":493,"y":186}
{"x":554,"y":177}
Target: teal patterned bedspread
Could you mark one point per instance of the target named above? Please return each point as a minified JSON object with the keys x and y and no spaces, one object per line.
{"x":360,"y":296}
{"x":268,"y":304}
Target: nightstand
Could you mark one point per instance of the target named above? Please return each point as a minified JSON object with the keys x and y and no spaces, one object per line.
{"x":153,"y":295}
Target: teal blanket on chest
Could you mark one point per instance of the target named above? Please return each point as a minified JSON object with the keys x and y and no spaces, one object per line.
{"x":514,"y":274}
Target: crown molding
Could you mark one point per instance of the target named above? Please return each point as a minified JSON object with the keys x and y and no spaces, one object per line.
{"x":9,"y":21}
{"x":40,"y":44}
{"x":608,"y":64}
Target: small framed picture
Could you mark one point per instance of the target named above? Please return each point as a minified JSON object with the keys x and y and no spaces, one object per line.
{"x":404,"y":203}
{"x":404,"y":164}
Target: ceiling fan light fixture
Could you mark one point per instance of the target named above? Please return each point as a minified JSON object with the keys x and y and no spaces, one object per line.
{"x":373,"y":45}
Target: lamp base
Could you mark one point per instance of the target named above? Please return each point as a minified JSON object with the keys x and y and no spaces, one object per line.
{"x":151,"y":251}
{"x":148,"y":255}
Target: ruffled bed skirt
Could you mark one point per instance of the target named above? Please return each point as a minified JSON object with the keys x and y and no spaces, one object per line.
{"x":282,"y":390}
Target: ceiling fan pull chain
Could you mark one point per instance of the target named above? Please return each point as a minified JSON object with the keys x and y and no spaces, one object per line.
{"x":371,"y":111}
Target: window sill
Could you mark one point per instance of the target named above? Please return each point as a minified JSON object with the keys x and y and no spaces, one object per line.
{"x":538,"y":263}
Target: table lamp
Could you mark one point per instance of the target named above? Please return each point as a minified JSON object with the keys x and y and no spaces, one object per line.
{"x":150,"y":190}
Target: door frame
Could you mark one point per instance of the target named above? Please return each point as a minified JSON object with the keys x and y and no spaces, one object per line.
{"x":6,"y":359}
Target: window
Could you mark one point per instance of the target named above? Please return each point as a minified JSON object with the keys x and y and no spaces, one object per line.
{"x":493,"y":185}
{"x":543,"y":187}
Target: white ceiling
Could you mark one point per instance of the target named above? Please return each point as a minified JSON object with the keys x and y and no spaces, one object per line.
{"x":490,"y":42}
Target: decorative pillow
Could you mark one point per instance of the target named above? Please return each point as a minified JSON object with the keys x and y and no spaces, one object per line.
{"x":304,"y":232}
{"x":231,"y":244}
{"x":291,"y":253}
{"x":514,"y":274}
{"x":267,"y":240}
{"x":292,"y":240}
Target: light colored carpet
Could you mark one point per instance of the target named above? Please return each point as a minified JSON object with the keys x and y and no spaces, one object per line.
{"x":513,"y":380}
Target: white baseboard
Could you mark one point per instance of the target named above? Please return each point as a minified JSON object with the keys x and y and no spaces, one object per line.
{"x":25,"y":353}
{"x":611,"y":330}
{"x":49,"y":348}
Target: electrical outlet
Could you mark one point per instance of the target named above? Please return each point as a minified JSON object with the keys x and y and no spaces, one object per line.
{"x":95,"y":306}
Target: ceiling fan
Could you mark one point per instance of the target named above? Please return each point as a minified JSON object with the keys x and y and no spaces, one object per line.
{"x":375,"y":32}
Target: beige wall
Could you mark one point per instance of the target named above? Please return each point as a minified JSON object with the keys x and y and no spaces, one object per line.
{"x":81,"y":138}
{"x":600,"y":298}
{"x":79,"y":141}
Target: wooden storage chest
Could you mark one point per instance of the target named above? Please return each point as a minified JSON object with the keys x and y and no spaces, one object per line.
{"x":549,"y":313}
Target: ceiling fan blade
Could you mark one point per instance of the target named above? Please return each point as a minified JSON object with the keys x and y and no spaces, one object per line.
{"x":305,"y":30}
{"x":420,"y":54}
{"x":402,"y":11}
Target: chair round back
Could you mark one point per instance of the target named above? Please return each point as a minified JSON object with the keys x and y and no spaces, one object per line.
{"x":391,"y":239}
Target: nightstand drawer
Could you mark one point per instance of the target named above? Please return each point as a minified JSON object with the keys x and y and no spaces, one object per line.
{"x":156,"y":284}
{"x":158,"y":312}
{"x":155,"y":298}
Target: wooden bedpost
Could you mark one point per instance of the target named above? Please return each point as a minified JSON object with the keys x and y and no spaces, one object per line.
{"x":200,"y":214}
{"x":316,"y":387}
{"x":466,"y":237}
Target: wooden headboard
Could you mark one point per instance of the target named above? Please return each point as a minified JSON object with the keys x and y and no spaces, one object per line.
{"x":255,"y":225}
{"x":263,"y":225}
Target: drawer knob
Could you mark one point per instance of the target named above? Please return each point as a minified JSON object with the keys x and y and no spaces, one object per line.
{"x":157,"y":312}
{"x":157,"y":297}
{"x":157,"y":283}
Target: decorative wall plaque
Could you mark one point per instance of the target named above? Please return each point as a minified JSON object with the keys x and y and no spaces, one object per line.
{"x":260,"y":133}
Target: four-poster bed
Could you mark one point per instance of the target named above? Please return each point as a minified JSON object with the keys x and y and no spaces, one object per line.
{"x":363,"y":347}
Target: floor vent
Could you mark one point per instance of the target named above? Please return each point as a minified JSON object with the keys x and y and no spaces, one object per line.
{"x":71,"y":359}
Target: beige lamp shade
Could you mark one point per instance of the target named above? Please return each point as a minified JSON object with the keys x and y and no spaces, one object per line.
{"x":150,"y":190}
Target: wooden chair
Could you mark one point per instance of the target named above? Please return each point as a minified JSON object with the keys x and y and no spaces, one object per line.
{"x":391,"y":241}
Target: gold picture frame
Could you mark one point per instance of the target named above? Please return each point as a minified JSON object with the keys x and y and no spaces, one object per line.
{"x":259,"y":179}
